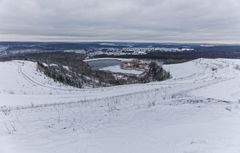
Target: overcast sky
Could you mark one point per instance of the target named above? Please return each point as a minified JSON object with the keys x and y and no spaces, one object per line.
{"x":213,"y":21}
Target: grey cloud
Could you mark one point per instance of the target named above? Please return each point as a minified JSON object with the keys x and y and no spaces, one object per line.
{"x":134,"y":20}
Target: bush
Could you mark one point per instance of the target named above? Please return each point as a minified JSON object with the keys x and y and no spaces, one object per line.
{"x":157,"y":73}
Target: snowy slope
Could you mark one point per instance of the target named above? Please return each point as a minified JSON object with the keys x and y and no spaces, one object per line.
{"x":22,"y":77}
{"x":196,"y":111}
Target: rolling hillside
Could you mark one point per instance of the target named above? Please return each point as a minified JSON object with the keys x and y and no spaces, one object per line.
{"x":197,"y":110}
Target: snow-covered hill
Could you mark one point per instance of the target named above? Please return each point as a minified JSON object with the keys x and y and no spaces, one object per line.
{"x":197,"y":110}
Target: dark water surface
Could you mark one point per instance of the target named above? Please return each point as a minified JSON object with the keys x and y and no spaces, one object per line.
{"x":101,"y":63}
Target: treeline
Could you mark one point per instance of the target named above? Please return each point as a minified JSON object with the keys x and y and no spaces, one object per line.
{"x":176,"y":57}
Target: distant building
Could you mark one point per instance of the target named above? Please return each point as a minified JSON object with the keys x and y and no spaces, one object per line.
{"x":135,"y":64}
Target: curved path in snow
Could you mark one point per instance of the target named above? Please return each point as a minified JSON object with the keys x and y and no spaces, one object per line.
{"x":32,"y":87}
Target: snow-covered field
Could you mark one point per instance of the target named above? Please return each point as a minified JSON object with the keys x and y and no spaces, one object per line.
{"x":196,"y":111}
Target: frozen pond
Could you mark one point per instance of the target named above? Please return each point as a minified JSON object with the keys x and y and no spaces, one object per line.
{"x":101,"y":63}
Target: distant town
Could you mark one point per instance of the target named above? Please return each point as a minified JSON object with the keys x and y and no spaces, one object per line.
{"x":131,"y":51}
